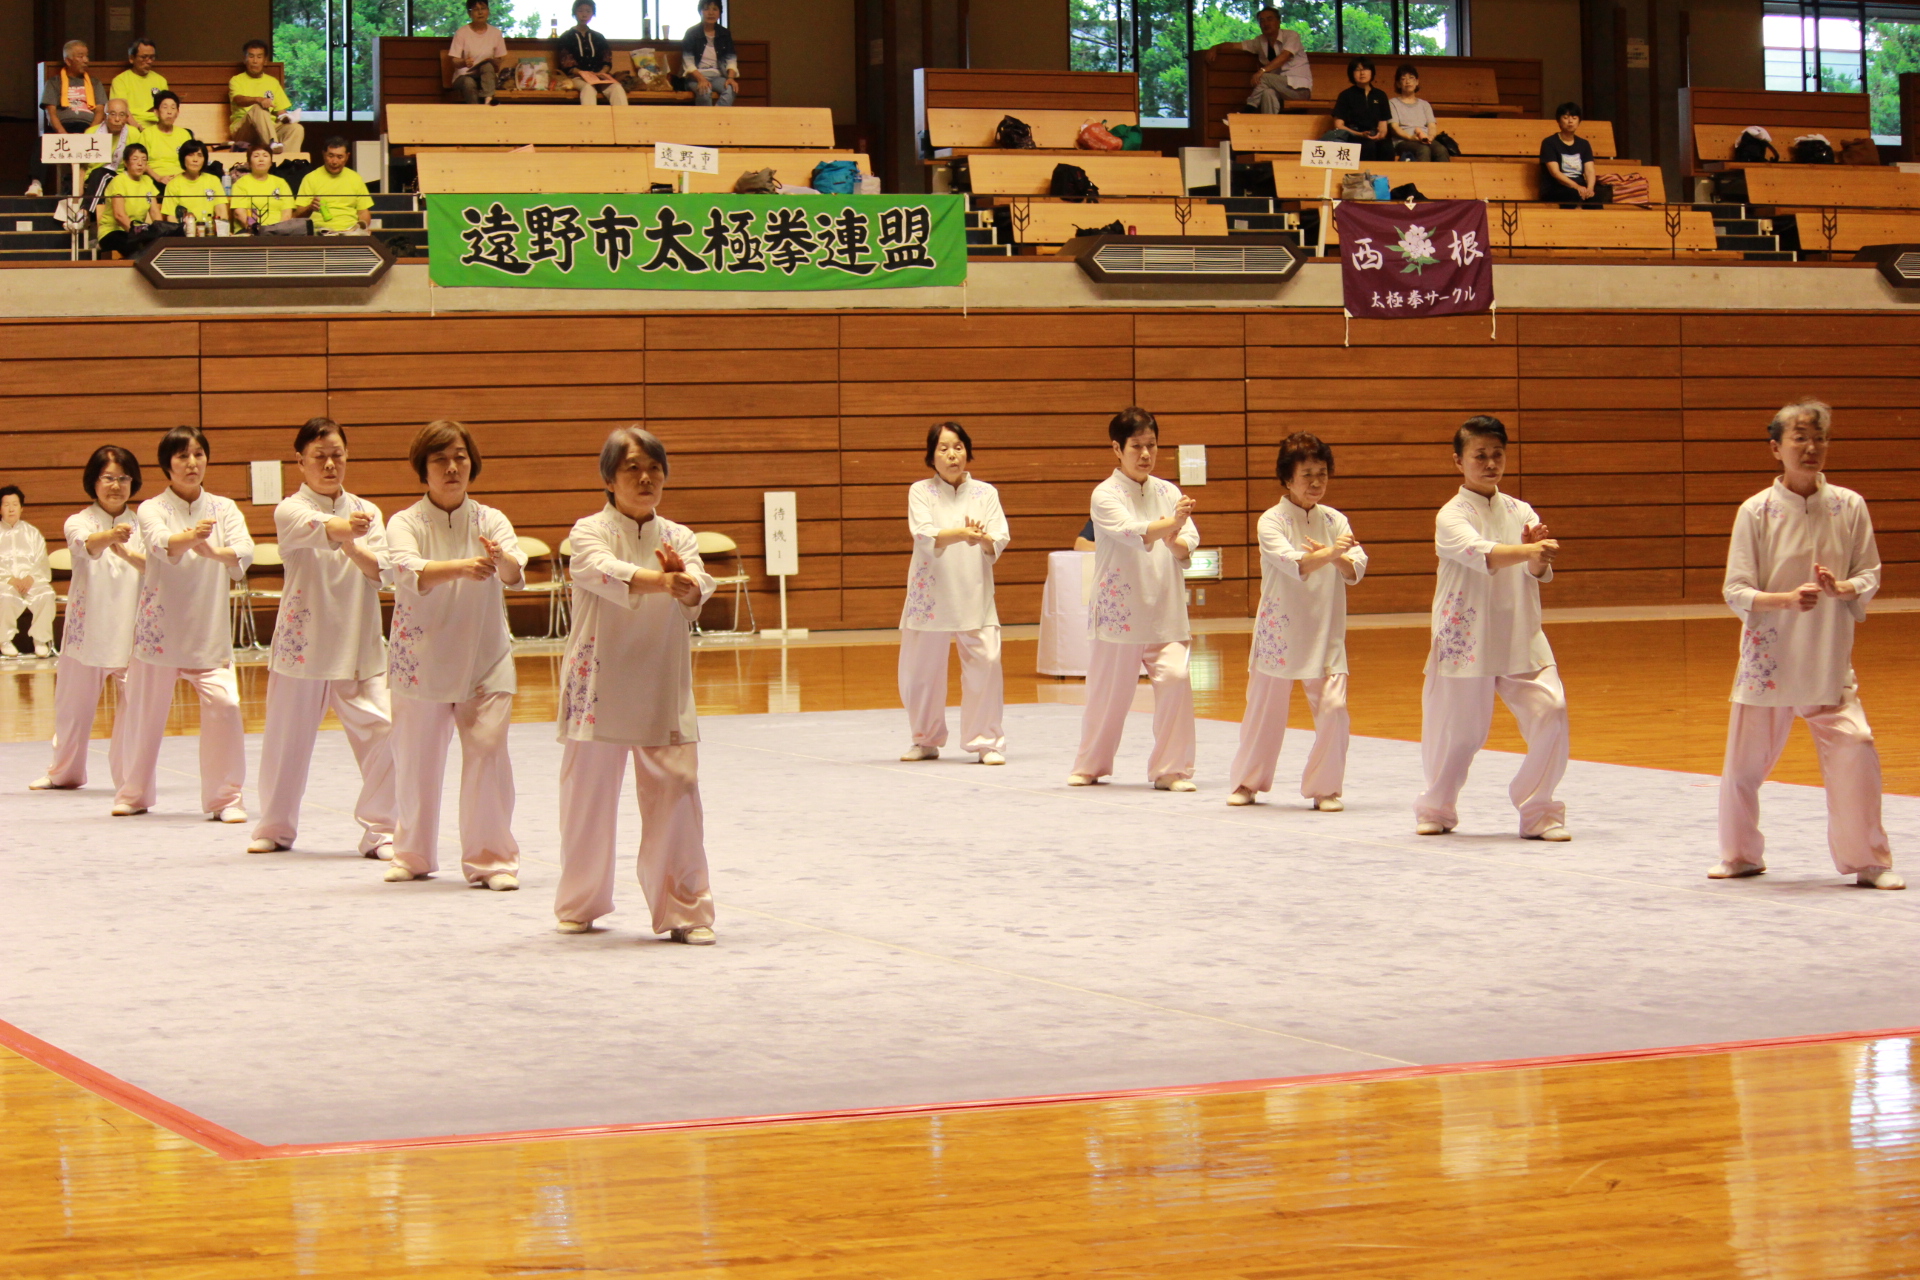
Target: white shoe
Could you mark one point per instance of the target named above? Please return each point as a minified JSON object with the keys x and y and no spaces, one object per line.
{"x":382,"y":849}
{"x":1082,"y":780}
{"x":1556,"y":833}
{"x":42,"y":651}
{"x":698,"y":936}
{"x":267,"y":846}
{"x":276,"y":147}
{"x":1430,"y":829}
{"x":43,"y":784}
{"x":1173,"y":784}
{"x":572,"y":926}
{"x":397,"y":872}
{"x":232,"y":813}
{"x":1241,"y":796}
{"x":1329,"y":804}
{"x":7,"y":650}
{"x":1734,"y":870}
{"x":34,"y":189}
{"x":127,"y":811}
{"x":917,"y":752}
{"x":992,"y":757}
{"x":503,"y":882}
{"x":1883,"y":878}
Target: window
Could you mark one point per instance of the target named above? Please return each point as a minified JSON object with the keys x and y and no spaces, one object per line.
{"x":1156,"y":37}
{"x":1818,"y":47}
{"x":327,"y":45}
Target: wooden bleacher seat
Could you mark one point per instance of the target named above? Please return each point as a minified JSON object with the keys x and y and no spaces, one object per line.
{"x":1455,"y":181}
{"x":572,"y":172}
{"x":417,"y":125}
{"x":408,"y":68}
{"x":1011,"y":173}
{"x":1831,"y":185}
{"x":1717,"y":117}
{"x":1452,"y":90}
{"x":774,"y":128}
{"x":1514,"y":138}
{"x":795,"y":168}
{"x":1855,"y":230}
{"x":965,"y":130}
{"x":1057,"y":223}
{"x":958,"y":109}
{"x":1613,"y":228}
{"x":191,"y":82}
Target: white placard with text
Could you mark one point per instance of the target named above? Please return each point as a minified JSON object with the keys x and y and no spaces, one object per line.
{"x":783,"y":535}
{"x":1315,"y":154}
{"x":674,"y":155}
{"x":75,"y":148}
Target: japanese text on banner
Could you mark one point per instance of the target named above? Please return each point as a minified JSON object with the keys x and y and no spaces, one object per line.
{"x":1398,"y":263}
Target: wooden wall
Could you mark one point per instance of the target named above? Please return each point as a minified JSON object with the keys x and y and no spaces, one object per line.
{"x":1636,"y":434}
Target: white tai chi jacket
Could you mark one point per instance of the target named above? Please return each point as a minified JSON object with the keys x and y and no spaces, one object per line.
{"x":1789,"y":658}
{"x":329,"y":624}
{"x":1301,"y":630}
{"x":23,"y":554}
{"x":629,"y":667}
{"x":951,"y":588}
{"x":184,"y":617}
{"x":1485,"y":623}
{"x":1139,"y":594}
{"x":450,"y":644}
{"x":104,"y":592}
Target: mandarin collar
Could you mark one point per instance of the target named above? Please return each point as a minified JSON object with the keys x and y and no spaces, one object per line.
{"x":1141,"y":488}
{"x":333,"y":505}
{"x":1792,"y":500}
{"x":953,"y":490}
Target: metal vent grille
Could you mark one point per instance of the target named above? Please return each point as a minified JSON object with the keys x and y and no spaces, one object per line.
{"x":1199,"y":260}
{"x":266,"y":262}
{"x":1907,"y":266}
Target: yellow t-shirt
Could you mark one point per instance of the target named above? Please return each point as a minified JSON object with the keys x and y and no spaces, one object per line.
{"x":269,"y":199}
{"x":138,"y":210}
{"x":196,"y":196}
{"x":341,"y":199}
{"x":246,"y":86}
{"x":163,"y":149}
{"x":138,"y":90}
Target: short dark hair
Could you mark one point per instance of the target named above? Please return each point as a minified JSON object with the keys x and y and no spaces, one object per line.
{"x":1129,"y":423}
{"x":175,"y":442}
{"x":589,"y":3}
{"x":1301,"y":446}
{"x":622,"y":441}
{"x":1483,"y":425}
{"x":13,"y":490}
{"x":139,"y":43}
{"x":312,"y":429}
{"x":130,"y":148}
{"x":192,"y":145}
{"x":436,"y":436}
{"x":1568,"y":109}
{"x":472,"y":3}
{"x":708,"y":4}
{"x":335,"y":140}
{"x":90,"y":478}
{"x":933,"y":432}
{"x":1406,"y":69}
{"x":256,"y":43}
{"x":1355,"y":64}
{"x":165,"y":95}
{"x":258,"y":145}
{"x":1269,"y":9}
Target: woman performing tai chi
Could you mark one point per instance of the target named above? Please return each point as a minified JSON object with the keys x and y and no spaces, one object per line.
{"x":450,"y":664}
{"x":958,"y":532}
{"x":327,"y":647}
{"x":627,"y":693}
{"x":98,"y":643}
{"x":197,"y":547}
{"x":1308,"y":556}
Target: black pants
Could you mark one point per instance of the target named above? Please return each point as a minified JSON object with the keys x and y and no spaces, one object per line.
{"x":1568,"y":198}
{"x":129,"y":243}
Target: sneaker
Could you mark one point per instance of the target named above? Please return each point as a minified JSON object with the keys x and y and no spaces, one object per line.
{"x":1174,"y":784}
{"x":232,"y":813}
{"x":1556,"y":833}
{"x":267,"y":846}
{"x":1329,"y":804}
{"x":1082,"y":780}
{"x":42,"y":651}
{"x":698,"y":936}
{"x":503,"y":882}
{"x":1881,"y":878}
{"x":992,"y":757}
{"x":1240,"y":796}
{"x":572,"y":926}
{"x":276,"y":147}
{"x":917,"y":752}
{"x":1430,"y":829}
{"x":1734,"y":870}
{"x":34,"y":189}
{"x":396,"y":872}
{"x":122,"y":810}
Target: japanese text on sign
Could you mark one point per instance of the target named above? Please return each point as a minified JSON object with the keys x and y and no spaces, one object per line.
{"x":1330,"y":155}
{"x":674,"y":155}
{"x":75,"y":148}
{"x":1429,"y":260}
{"x":783,"y":535}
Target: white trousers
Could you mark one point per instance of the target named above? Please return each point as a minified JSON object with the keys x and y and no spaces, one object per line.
{"x":923,"y":687}
{"x":40,"y":599}
{"x":76,"y":697}
{"x":1113,"y":673}
{"x":1264,"y":729}
{"x":672,"y":865}
{"x":295,"y":708}
{"x":421,"y":734}
{"x":1456,"y":716}
{"x":223,"y":754}
{"x":1849,"y":764}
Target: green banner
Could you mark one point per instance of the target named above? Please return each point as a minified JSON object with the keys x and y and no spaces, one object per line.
{"x":764,"y":242}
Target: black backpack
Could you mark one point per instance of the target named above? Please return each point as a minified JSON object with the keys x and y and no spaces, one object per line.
{"x":1012,"y":134}
{"x":1754,"y":149}
{"x":1812,"y":151}
{"x":1070,"y":182}
{"x":1114,"y":228}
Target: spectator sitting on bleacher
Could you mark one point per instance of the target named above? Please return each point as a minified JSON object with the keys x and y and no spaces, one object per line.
{"x":121,"y":134}
{"x":130,"y":206}
{"x":73,"y":101}
{"x":139,"y":82}
{"x":334,"y":196}
{"x":261,"y":110}
{"x":194,"y":193}
{"x":1360,"y":113}
{"x":164,"y":138}
{"x":478,"y":53}
{"x":589,"y":53}
{"x":1413,"y":123}
{"x":706,"y":55}
{"x":1566,"y":163}
{"x":1284,"y":74}
{"x":261,"y":200}
{"x":26,"y":578}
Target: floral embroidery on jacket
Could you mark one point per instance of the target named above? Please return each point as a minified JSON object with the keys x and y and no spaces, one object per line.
{"x":1110,"y":609}
{"x":1270,"y":637}
{"x":290,"y":633}
{"x":1454,"y":639}
{"x":76,"y":632}
{"x":403,"y":661}
{"x":148,"y":621}
{"x":1772,"y":510}
{"x":1834,"y":504}
{"x":1757,"y":663}
{"x":578,"y":695}
{"x":920,"y":591}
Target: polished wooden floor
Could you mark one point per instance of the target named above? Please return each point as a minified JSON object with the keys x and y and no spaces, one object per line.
{"x":1799,"y":1161}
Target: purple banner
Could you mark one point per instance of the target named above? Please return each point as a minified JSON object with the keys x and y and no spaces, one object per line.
{"x":1398,"y":263}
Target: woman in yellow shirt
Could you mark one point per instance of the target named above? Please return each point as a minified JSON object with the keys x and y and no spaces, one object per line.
{"x":164,"y":138}
{"x":128,"y":204}
{"x":262,"y":201}
{"x":196,"y":193}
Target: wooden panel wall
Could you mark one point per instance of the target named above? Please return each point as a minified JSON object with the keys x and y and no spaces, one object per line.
{"x":1636,"y":434}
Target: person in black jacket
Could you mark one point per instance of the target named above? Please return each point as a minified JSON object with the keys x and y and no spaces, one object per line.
{"x":589,"y":52}
{"x":1361,"y":112}
{"x":708,"y":59}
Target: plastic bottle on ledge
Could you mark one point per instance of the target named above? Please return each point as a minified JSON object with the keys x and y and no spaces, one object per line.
{"x":553,"y":28}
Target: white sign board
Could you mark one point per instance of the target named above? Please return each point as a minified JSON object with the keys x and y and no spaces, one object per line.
{"x":783,"y":535}
{"x":1330,"y":155}
{"x":75,"y":148}
{"x":1193,"y":464}
{"x":267,"y":490}
{"x":674,"y":155}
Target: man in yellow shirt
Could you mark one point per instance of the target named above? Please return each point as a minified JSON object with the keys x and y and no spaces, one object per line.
{"x":195,"y":193}
{"x":262,"y":201}
{"x":139,"y":82}
{"x":164,"y":138}
{"x":334,"y":196}
{"x":128,"y":203}
{"x":260,"y":106}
